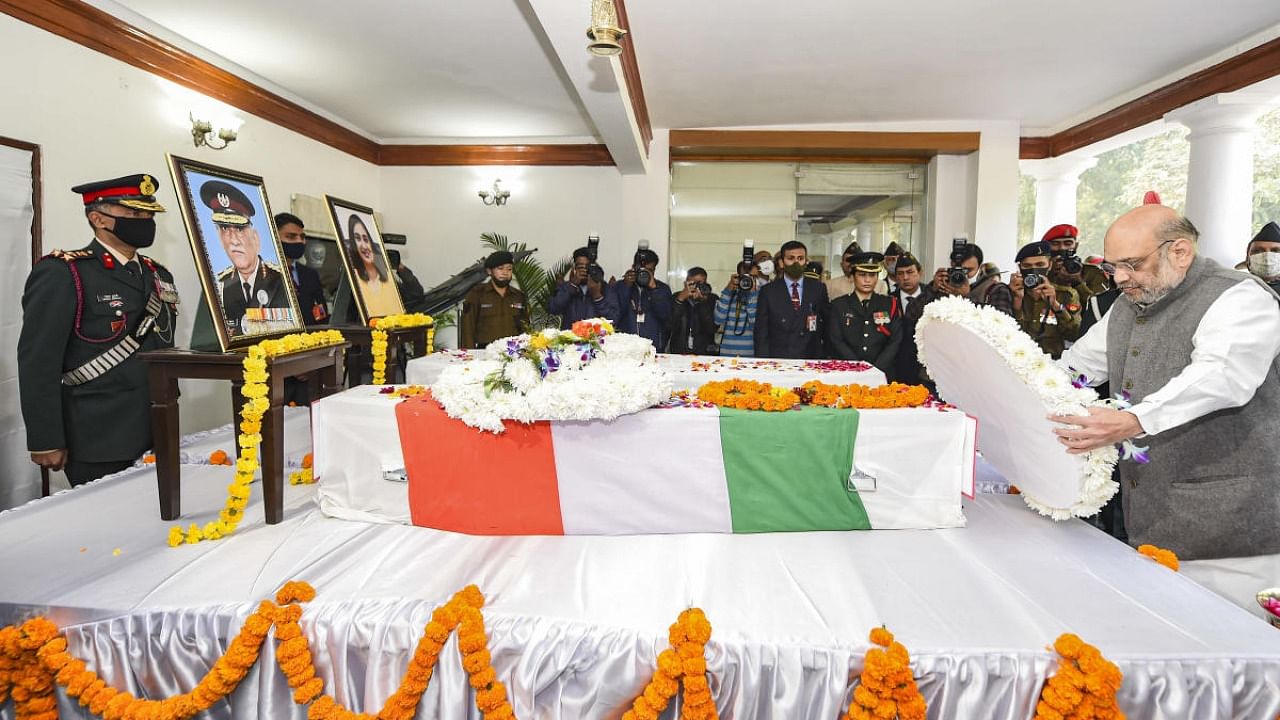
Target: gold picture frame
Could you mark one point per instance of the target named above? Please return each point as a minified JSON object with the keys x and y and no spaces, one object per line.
{"x":364,"y":259}
{"x":244,"y":280}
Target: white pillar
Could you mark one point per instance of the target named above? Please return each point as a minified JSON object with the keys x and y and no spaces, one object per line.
{"x":1057,"y":180}
{"x":871,"y":234}
{"x":1220,"y":174}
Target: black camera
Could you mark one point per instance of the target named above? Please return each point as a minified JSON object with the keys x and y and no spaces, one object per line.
{"x":594,"y":271}
{"x":1031,"y":278}
{"x":1071,"y":263}
{"x":746,"y":283}
{"x":643,"y":276}
{"x":704,"y":288}
{"x":957,"y":276}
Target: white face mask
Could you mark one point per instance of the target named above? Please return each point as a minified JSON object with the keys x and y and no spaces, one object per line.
{"x":766,"y":267}
{"x":1265,"y":264}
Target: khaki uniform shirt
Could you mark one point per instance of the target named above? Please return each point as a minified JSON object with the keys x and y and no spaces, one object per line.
{"x":488,"y":315}
{"x":1052,"y":331}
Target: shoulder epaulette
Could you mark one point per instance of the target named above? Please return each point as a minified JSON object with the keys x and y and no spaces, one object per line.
{"x":271,"y":266}
{"x":226,"y":273}
{"x":151,"y":262}
{"x":70,"y":255}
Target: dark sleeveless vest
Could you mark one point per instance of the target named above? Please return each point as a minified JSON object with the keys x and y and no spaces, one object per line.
{"x":1212,"y":488}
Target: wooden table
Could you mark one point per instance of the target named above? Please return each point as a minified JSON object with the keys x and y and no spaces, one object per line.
{"x":403,"y":345}
{"x":166,"y":367}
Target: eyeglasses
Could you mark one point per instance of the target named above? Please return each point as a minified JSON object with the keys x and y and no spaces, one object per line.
{"x":1130,"y":268}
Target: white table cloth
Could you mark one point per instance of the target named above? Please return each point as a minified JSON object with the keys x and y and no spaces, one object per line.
{"x":688,"y":372}
{"x":575,"y":623}
{"x":922,"y":459}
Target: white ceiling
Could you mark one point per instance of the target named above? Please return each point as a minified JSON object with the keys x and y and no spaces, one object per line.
{"x":769,"y":62}
{"x":485,"y":70}
{"x":395,"y":69}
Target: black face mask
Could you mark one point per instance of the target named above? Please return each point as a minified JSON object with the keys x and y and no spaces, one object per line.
{"x":294,"y":251}
{"x":501,"y":283}
{"x":135,"y":232}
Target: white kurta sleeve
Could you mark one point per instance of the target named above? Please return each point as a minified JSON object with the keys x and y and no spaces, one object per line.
{"x":1234,"y":347}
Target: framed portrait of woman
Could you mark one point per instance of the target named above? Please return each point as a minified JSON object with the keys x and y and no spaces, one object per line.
{"x":237,"y":252}
{"x":364,"y":257}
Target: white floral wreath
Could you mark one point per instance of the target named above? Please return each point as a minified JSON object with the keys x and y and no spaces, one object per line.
{"x":1052,"y":385}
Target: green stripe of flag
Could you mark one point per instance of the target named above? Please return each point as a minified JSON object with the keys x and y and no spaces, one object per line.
{"x":790,"y":470}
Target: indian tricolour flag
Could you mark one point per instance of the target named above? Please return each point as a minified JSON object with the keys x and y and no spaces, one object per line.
{"x":677,"y":470}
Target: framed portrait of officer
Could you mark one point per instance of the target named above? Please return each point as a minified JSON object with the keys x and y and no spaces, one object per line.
{"x":364,"y":258}
{"x":246,"y":287}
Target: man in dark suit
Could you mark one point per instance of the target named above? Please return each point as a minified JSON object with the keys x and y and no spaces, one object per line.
{"x":908,"y":304}
{"x":250,"y":281}
{"x":861,"y":325}
{"x":791,"y":311}
{"x":86,"y":315}
{"x":315,"y":311}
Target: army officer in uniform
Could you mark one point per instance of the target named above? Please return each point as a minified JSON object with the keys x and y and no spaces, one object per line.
{"x":862,"y":325}
{"x":494,"y":309}
{"x":250,"y":282}
{"x":85,"y":316}
{"x":1048,"y":312}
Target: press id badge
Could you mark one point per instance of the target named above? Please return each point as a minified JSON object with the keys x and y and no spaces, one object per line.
{"x":811,"y":323}
{"x":639,"y":317}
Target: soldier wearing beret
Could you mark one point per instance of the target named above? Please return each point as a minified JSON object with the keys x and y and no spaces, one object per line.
{"x":1086,"y":279}
{"x":250,"y":281}
{"x":862,"y":325}
{"x":1048,"y":312}
{"x":494,"y":309}
{"x":86,"y":315}
{"x":1263,"y":255}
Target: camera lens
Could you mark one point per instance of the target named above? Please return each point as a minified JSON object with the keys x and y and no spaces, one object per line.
{"x":957,"y":276}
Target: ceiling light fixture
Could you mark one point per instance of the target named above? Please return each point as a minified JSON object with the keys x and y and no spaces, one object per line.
{"x":202,"y":134}
{"x":604,"y":32}
{"x":497,"y":197}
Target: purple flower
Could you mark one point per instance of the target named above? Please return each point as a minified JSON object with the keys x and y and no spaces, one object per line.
{"x":551,"y":363}
{"x":1129,"y":450}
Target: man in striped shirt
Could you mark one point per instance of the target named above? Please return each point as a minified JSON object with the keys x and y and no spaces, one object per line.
{"x":736,"y":316}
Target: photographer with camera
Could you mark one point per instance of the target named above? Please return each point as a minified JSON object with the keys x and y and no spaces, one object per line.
{"x":735,"y":311}
{"x":1068,"y":269}
{"x":693,"y":322}
{"x":1048,"y":312}
{"x":969,"y":277}
{"x":583,"y":294}
{"x":644,"y":301}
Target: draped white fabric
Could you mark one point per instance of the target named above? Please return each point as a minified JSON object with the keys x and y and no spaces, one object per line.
{"x":21,"y":478}
{"x":917,"y":484}
{"x":575,"y":623}
{"x":783,"y":373}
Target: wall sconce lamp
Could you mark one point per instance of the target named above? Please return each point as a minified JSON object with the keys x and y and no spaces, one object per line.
{"x":604,"y":32}
{"x":495,"y":198}
{"x":202,"y":134}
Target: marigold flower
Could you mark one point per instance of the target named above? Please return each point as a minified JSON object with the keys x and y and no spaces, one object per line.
{"x":483,"y":678}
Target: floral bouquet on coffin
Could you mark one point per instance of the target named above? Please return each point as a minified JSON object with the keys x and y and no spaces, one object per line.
{"x":984,"y":364}
{"x":588,"y":372}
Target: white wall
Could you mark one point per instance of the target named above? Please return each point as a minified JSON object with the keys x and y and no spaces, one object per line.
{"x":96,"y":118}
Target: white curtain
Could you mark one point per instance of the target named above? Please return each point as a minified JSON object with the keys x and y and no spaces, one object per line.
{"x":19,"y":478}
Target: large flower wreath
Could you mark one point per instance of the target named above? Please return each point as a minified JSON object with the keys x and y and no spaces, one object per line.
{"x":1049,"y":383}
{"x":586,"y":373}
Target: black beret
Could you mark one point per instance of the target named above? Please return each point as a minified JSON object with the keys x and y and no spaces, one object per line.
{"x":498,"y":259}
{"x":1034,"y":249}
{"x":1269,"y":233}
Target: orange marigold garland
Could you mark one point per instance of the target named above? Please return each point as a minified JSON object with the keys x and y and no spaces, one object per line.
{"x":748,"y":395}
{"x":1165,"y":557}
{"x":1084,"y":686}
{"x":684,"y":662}
{"x":863,"y":397}
{"x":886,"y":687}
{"x":34,"y":657}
